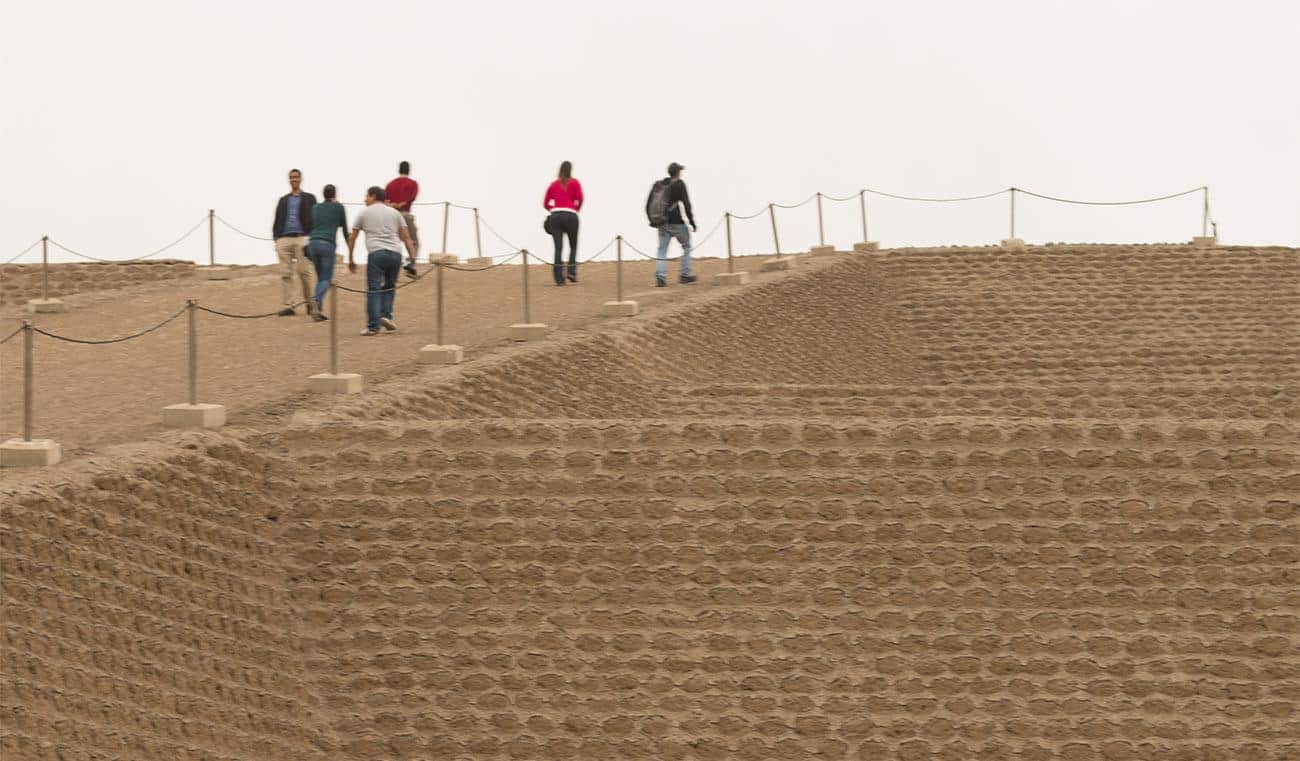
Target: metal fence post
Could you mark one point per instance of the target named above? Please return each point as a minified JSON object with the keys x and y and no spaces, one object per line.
{"x":28,"y":387}
{"x":45,"y":267}
{"x":334,"y":328}
{"x":446,"y":218}
{"x":528,"y":312}
{"x":771,"y":212}
{"x":212,"y":238}
{"x":439,"y":312}
{"x":821,"y":229}
{"x":731,"y":261}
{"x":478,"y":238}
{"x":193,"y":351}
{"x":1013,"y":214}
{"x":618,"y":273}
{"x":862,"y":203}
{"x":1205,"y":210}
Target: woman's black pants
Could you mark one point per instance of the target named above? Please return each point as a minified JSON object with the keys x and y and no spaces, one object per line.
{"x":560,"y":224}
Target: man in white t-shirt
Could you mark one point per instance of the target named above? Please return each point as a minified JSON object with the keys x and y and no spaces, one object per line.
{"x":384,"y":228}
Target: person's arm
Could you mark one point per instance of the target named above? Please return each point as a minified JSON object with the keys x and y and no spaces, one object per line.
{"x":686,"y":201}
{"x":648,"y":198}
{"x":352,"y":242}
{"x":577,"y":195}
{"x":546,"y":199}
{"x":308,"y":203}
{"x":343,"y":220}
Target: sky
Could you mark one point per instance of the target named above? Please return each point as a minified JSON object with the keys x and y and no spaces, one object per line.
{"x":125,"y":122}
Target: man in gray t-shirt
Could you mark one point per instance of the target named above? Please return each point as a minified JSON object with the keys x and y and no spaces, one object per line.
{"x":384,"y":228}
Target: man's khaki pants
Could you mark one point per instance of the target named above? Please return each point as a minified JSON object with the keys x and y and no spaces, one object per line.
{"x":414,"y":232}
{"x":292,"y":252}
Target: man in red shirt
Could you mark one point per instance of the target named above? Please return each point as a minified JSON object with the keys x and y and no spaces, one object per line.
{"x":401,"y":193}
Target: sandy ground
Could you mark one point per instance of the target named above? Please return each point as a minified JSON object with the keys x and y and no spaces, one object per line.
{"x":89,"y":396}
{"x":930,"y":504}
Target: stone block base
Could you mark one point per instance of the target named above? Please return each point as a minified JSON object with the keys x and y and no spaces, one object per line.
{"x":441,"y":354}
{"x":777,"y":265}
{"x":619,"y":308}
{"x":1013,"y":244}
{"x":528,"y":331}
{"x":1205,"y":242}
{"x":46,"y":306}
{"x":326,"y":383}
{"x":216,"y":273}
{"x":866,"y":245}
{"x":479,"y":261}
{"x":821,"y":250}
{"x":443,"y":258}
{"x":731,"y":278}
{"x":194,"y":416}
{"x":37,"y":453}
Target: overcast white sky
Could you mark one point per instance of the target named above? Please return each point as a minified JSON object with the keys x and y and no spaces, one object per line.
{"x":124,"y":122}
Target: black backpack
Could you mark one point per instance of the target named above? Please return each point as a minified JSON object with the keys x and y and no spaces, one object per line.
{"x":659,"y":203}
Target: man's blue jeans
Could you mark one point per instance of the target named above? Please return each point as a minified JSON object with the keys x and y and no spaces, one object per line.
{"x":321,"y":254}
{"x":683,"y":235}
{"x":381,"y":280}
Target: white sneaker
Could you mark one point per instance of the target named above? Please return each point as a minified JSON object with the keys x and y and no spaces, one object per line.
{"x":388,"y":323}
{"x":369,"y":332}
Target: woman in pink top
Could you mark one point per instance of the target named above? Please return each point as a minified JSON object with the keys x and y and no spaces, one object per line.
{"x":564,"y":200}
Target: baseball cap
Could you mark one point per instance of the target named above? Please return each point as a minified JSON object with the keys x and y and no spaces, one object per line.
{"x":674,"y":168}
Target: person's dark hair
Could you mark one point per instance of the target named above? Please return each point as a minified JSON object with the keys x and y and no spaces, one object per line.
{"x":404,"y":167}
{"x":376,"y":193}
{"x":328,"y":192}
{"x":291,"y":171}
{"x":566,"y":170}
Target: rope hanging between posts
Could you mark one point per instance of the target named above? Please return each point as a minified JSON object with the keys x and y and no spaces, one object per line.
{"x":457,"y":268}
{"x":119,"y":339}
{"x":171,"y":245}
{"x":796,"y":205}
{"x":24,"y":252}
{"x":9,"y":337}
{"x":236,"y":316}
{"x":1110,"y":203}
{"x":222,"y":220}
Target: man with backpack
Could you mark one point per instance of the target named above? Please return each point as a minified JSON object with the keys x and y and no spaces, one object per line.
{"x":664,"y":209}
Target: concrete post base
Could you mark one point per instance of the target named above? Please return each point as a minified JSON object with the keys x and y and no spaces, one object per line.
{"x":1013,"y":244}
{"x":343,"y":383}
{"x":777,"y":265}
{"x":866,"y":245}
{"x":821,"y":250}
{"x":1205,"y":242}
{"x":37,"y":453}
{"x":443,"y":258}
{"x":194,"y":416}
{"x":619,"y":308}
{"x":46,"y":306}
{"x":479,"y":261}
{"x":731,"y":278}
{"x":217,"y":273}
{"x":528,"y":331}
{"x":446,"y":354}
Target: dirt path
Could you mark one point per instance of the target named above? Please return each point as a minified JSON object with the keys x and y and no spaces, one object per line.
{"x":91,"y":396}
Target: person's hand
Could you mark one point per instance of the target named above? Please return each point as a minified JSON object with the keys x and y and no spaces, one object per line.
{"x":694,"y":229}
{"x":352,"y":267}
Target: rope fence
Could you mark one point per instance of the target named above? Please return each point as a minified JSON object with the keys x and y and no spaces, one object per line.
{"x":334,"y":381}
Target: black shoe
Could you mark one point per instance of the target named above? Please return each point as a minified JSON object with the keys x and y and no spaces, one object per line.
{"x":286,"y":312}
{"x":688,"y":279}
{"x":318,"y":317}
{"x":559,"y":283}
{"x":573,"y":279}
{"x":409,"y":269}
{"x":660,"y":282}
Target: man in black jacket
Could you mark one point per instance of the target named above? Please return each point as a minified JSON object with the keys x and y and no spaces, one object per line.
{"x":664,"y":208}
{"x":290,"y":230}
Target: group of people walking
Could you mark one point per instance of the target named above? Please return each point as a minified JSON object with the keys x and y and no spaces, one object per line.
{"x":305,"y":233}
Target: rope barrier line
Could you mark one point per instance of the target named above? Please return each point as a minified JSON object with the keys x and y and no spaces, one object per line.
{"x":494,"y":265}
{"x":236,"y":316}
{"x":418,"y":277}
{"x":758,"y":213}
{"x":7,"y":338}
{"x":119,"y":339}
{"x":173,"y":244}
{"x":937,"y":200}
{"x":805,"y":201}
{"x":24,"y":252}
{"x":220,"y":219}
{"x":838,"y":198}
{"x":1110,"y":203}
